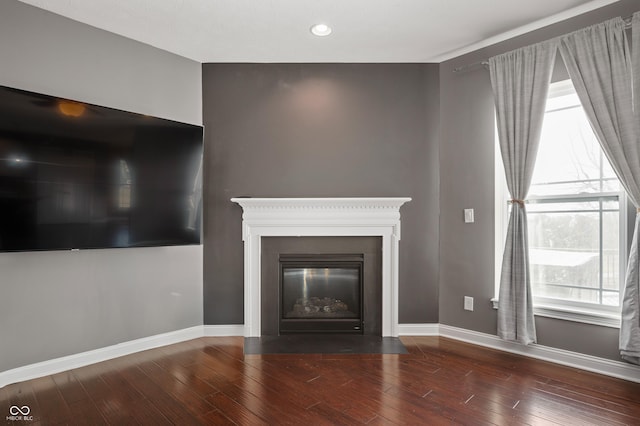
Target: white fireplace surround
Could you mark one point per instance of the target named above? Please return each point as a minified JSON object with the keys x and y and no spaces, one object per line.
{"x":298,"y":217}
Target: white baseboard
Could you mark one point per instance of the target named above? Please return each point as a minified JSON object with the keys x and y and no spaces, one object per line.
{"x":419,"y":329}
{"x":224,"y":330}
{"x":618,"y":369}
{"x":57,"y":365}
{"x":607,"y":367}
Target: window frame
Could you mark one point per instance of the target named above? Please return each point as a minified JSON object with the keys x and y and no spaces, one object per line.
{"x":603,"y":315}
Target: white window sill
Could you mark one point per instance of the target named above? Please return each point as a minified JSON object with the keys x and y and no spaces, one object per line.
{"x":605,"y":319}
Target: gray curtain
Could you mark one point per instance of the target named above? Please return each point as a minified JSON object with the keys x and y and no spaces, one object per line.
{"x":630,"y":324}
{"x":520,"y":81}
{"x":599,"y":64}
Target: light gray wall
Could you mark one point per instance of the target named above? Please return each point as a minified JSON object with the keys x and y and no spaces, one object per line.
{"x":467,"y":180}
{"x":59,"y":303}
{"x":321,"y":130}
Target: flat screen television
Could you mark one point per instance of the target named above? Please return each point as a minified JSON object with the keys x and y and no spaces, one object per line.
{"x":80,"y":176}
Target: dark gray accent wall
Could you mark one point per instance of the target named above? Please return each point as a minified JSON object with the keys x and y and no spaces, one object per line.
{"x":59,"y":303}
{"x":321,"y":130}
{"x":467,"y":180}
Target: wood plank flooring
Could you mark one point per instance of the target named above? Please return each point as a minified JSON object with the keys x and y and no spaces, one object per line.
{"x":210,"y":381}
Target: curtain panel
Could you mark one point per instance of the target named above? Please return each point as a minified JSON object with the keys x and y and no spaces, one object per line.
{"x":520,"y":81}
{"x":599,"y":63}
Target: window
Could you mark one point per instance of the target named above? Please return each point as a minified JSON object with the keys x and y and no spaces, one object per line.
{"x":576,"y":215}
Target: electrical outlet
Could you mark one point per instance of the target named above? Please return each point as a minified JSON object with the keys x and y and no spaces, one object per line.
{"x":468,"y":303}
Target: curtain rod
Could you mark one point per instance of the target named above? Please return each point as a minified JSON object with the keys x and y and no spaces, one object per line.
{"x":485,"y":64}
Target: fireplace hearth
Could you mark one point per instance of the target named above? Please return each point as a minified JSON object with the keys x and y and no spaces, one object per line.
{"x":321,"y":293}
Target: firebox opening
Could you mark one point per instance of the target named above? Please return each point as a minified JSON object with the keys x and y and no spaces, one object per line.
{"x":321,"y":294}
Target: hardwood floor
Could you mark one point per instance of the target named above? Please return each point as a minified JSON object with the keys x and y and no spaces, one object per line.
{"x":210,"y":381}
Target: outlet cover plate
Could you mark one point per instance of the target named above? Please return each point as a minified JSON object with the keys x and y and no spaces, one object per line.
{"x":468,"y":303}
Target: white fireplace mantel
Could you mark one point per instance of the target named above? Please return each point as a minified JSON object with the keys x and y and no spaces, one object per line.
{"x":297,"y":217}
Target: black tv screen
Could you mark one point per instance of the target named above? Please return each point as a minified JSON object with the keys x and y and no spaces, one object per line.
{"x":79,"y":176}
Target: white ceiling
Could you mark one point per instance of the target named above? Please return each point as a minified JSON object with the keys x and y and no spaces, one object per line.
{"x":278,"y":30}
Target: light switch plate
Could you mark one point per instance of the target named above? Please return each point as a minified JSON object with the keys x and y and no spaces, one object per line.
{"x":468,"y":216}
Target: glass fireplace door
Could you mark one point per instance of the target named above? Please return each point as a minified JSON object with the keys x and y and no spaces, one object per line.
{"x":322,"y":295}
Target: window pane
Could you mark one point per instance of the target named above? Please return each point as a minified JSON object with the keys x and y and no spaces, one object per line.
{"x":570,"y":151}
{"x":611,"y":185}
{"x":570,"y":160}
{"x":564,"y":231}
{"x":611,"y":298}
{"x":564,"y":251}
{"x":610,"y":251}
{"x":570,"y":294}
{"x":564,"y":255}
{"x":611,"y":205}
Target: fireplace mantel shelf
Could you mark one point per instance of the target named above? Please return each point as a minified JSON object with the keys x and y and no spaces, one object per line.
{"x":269,"y":217}
{"x":360,"y":203}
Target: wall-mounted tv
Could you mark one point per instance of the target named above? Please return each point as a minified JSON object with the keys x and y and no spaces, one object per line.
{"x":78,"y":176}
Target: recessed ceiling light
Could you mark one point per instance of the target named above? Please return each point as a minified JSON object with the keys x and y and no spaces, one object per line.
{"x":321,"y":30}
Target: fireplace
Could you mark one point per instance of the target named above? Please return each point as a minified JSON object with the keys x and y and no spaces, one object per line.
{"x":265,"y":218}
{"x":321,"y":294}
{"x":321,"y":285}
